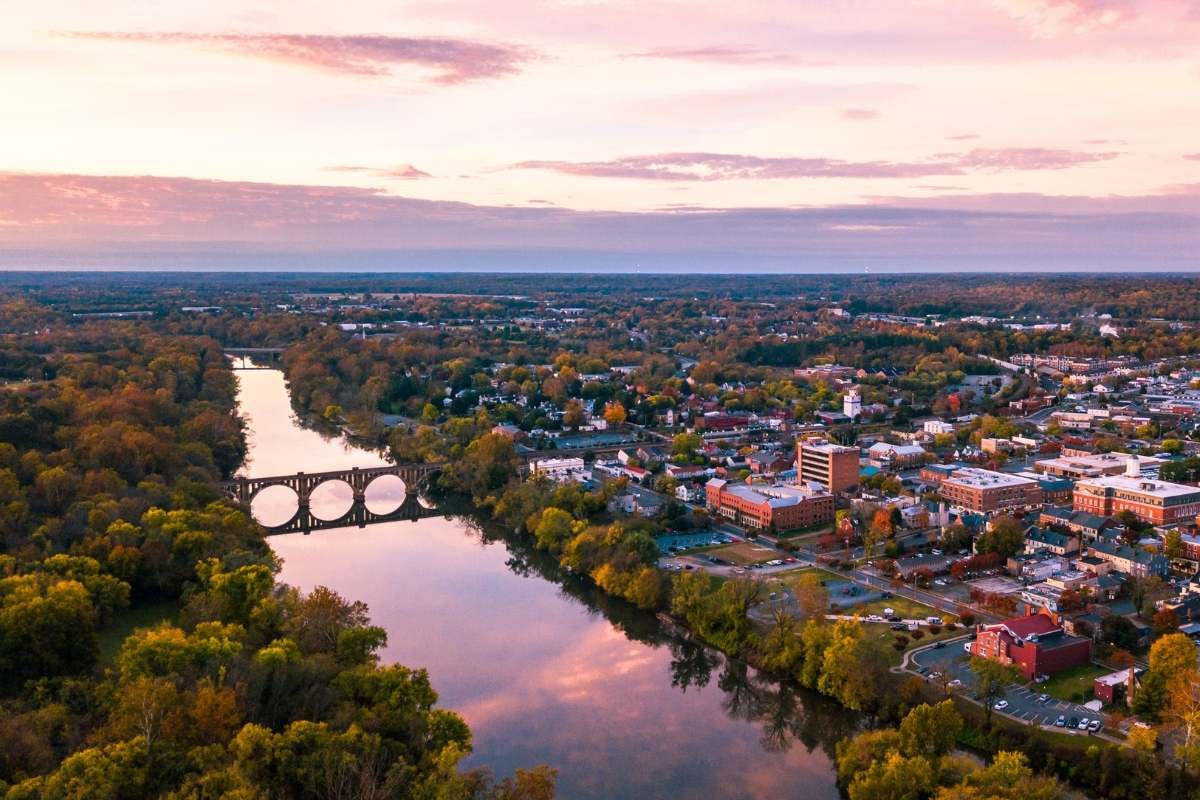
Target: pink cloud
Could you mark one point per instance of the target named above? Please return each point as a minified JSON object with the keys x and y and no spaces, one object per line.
{"x":453,"y":60}
{"x":1049,"y":18}
{"x":165,"y":222}
{"x":1192,"y":156}
{"x":401,"y":171}
{"x":726,"y":166}
{"x":962,"y":137}
{"x":859,"y":114}
{"x":723,"y":55}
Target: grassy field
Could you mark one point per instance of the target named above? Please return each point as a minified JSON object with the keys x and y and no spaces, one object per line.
{"x":1073,"y":683}
{"x":142,"y":616}
{"x":744,"y":553}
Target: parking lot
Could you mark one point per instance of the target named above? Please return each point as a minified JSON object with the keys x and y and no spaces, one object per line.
{"x":1023,"y":703}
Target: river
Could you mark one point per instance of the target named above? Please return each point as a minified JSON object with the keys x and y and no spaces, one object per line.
{"x":543,"y":668}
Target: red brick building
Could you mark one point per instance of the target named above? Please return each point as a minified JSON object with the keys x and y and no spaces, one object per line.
{"x":780,"y":508}
{"x":982,"y":491}
{"x":833,"y":466}
{"x":1152,"y":501}
{"x":1034,"y":645}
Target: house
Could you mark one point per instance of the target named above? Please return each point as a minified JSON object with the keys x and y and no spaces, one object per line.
{"x":1116,"y":687}
{"x":1089,"y":526}
{"x":1129,"y":560}
{"x":1034,"y":645}
{"x":1060,"y":544}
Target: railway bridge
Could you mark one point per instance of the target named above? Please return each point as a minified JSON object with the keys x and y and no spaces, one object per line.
{"x":414,"y":477}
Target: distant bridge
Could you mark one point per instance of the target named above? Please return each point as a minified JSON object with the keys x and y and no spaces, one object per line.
{"x":414,"y":476}
{"x":245,"y":354}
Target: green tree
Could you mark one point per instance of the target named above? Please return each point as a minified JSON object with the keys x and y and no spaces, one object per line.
{"x":930,"y":731}
{"x":992,"y":680}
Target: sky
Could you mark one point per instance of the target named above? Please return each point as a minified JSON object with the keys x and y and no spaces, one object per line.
{"x":763,"y":135}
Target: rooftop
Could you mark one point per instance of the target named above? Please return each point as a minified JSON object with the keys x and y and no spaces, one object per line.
{"x":1142,"y":486}
{"x":986,"y":478}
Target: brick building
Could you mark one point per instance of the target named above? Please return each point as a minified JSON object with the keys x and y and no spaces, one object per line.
{"x":780,"y":508}
{"x":1151,"y":501}
{"x":833,"y":466}
{"x":983,"y":491}
{"x":1034,"y":645}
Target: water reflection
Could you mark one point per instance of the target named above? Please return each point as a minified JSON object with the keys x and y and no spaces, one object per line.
{"x":548,"y":670}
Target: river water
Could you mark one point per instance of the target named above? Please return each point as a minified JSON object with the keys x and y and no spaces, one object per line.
{"x":543,"y":668}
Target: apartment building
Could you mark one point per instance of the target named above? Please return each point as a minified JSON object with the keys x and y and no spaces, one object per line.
{"x":833,"y":466}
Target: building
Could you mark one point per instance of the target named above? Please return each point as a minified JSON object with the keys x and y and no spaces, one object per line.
{"x":935,"y":427}
{"x":1129,"y":560}
{"x":983,"y":491}
{"x":1116,"y":687}
{"x":1089,"y":526}
{"x":1095,"y":465}
{"x":895,"y":456}
{"x":852,"y":404}
{"x":779,"y":507}
{"x":557,"y":469}
{"x":1044,"y":539}
{"x":833,"y":466}
{"x":1151,"y":501}
{"x":1034,"y":645}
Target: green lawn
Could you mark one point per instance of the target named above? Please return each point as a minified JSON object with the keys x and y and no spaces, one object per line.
{"x":141,"y":616}
{"x":1067,"y":685}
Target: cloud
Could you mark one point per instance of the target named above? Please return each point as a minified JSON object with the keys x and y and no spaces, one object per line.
{"x":688,"y":166}
{"x":1192,"y":156}
{"x":723,"y":55}
{"x":401,"y":171}
{"x":452,"y":60}
{"x":962,"y":137}
{"x":165,"y":222}
{"x":1051,"y":18}
{"x":859,"y":114}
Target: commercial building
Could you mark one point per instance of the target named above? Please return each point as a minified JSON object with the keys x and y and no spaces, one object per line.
{"x":983,"y":491}
{"x":1034,"y":645}
{"x":779,"y":507}
{"x":1097,"y":465}
{"x":833,"y":466}
{"x":1129,"y":560}
{"x":895,"y":456}
{"x":557,"y":469}
{"x":1151,"y":501}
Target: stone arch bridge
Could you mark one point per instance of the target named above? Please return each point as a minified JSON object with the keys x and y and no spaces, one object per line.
{"x":414,"y":476}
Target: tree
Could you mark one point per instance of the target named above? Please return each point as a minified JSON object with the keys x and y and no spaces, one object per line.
{"x":894,"y":778}
{"x":573,"y":415}
{"x":553,"y":529}
{"x":1003,"y":537}
{"x":1173,"y":655}
{"x":812,"y":598}
{"x":1119,"y":631}
{"x":992,"y":680}
{"x":1142,"y":739}
{"x":614,"y":413}
{"x":1165,"y":621}
{"x":1173,"y":543}
{"x":930,"y":731}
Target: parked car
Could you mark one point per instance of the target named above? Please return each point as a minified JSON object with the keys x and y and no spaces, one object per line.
{"x":1094,"y":725}
{"x":1061,"y":722}
{"x":1000,"y":705}
{"x":1043,"y":698}
{"x":1083,"y":723}
{"x":967,"y":647}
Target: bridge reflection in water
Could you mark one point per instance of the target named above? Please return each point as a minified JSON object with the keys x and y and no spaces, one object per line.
{"x":413,"y":476}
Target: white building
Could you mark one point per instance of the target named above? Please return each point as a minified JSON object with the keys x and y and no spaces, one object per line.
{"x":557,"y":469}
{"x":852,"y":404}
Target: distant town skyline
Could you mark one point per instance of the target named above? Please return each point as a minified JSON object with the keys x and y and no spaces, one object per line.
{"x":603,"y":135}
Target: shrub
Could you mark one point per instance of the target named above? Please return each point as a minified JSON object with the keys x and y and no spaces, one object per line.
{"x":918,"y":634}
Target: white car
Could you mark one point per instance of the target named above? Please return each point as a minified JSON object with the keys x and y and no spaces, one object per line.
{"x":966,"y":647}
{"x":1000,"y":705}
{"x":1083,"y":723}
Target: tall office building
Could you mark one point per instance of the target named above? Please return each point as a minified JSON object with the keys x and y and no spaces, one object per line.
{"x":833,"y":466}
